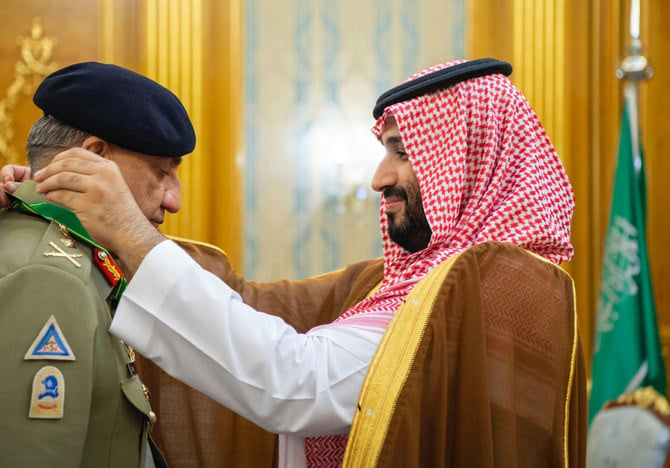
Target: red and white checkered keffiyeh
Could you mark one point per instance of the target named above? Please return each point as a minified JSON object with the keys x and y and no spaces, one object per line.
{"x":487,"y":172}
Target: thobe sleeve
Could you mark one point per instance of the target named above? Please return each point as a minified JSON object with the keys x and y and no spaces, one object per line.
{"x":199,"y":330}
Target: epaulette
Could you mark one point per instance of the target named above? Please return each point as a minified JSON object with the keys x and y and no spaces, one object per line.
{"x":68,"y":220}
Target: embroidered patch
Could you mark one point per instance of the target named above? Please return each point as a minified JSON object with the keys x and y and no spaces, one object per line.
{"x":48,"y":396}
{"x":50,"y":344}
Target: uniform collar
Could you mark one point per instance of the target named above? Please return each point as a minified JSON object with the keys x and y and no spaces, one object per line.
{"x":26,"y":192}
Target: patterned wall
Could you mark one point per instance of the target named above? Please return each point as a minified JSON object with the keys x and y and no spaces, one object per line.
{"x":313,"y":70}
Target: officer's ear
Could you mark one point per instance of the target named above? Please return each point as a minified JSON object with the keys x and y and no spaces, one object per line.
{"x":97,"y":146}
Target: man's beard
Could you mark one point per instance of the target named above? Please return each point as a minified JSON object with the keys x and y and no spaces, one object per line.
{"x":412,"y":232}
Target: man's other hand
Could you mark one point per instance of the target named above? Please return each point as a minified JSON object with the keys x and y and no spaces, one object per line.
{"x":11,"y":176}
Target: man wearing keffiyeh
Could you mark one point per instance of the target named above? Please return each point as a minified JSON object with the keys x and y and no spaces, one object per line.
{"x":466,"y":353}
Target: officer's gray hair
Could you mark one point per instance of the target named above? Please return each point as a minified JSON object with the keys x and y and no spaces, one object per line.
{"x":49,"y":136}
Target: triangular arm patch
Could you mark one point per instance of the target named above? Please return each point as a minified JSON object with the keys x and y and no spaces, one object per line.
{"x":50,"y":343}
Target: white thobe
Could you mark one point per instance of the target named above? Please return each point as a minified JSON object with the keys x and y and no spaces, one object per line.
{"x":198,"y":330}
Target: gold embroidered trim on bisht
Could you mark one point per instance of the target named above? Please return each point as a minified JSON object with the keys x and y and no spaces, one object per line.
{"x":389,"y":369}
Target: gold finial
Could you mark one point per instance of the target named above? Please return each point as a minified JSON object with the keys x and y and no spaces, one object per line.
{"x":647,"y":397}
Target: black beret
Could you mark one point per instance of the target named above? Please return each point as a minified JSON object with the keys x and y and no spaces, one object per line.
{"x":119,"y":106}
{"x":440,"y":79}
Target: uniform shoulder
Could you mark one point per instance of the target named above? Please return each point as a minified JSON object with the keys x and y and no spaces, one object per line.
{"x":20,"y":234}
{"x":31,"y":241}
{"x":65,"y":244}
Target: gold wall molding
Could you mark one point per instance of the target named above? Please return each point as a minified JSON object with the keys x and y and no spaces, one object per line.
{"x":194,"y":48}
{"x":34,"y":64}
{"x":565,"y":54}
{"x":174,"y":58}
{"x":549,"y":44}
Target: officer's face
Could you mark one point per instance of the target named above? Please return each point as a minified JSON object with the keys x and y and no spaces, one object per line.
{"x":152,"y":180}
{"x":396,"y":180}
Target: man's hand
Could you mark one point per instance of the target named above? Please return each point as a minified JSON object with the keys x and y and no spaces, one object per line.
{"x":94,"y":189}
{"x":11,"y":176}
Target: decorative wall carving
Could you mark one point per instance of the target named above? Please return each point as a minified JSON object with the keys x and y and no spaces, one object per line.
{"x":34,"y":64}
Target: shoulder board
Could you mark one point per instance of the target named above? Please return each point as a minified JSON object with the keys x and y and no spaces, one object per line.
{"x":69,"y":221}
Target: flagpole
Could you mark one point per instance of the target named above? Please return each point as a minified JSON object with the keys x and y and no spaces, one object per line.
{"x":627,"y":346}
{"x":634,"y":68}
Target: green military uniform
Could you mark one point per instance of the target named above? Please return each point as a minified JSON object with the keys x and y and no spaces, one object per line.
{"x":68,"y":393}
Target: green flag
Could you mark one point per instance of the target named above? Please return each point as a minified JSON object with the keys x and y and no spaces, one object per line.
{"x":627,"y":348}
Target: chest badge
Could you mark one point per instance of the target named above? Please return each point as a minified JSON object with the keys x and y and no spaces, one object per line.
{"x":66,"y":240}
{"x":48,"y":395}
{"x":58,"y":252}
{"x":50,"y":343}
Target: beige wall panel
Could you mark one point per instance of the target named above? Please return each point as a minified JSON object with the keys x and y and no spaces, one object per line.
{"x":313,"y":71}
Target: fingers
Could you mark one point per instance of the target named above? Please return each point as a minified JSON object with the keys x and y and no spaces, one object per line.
{"x":4,"y":201}
{"x":10,"y":174}
{"x":11,"y":186}
{"x":74,"y":160}
{"x":13,"y":173}
{"x":63,"y":181}
{"x":78,"y":171}
{"x":7,"y":173}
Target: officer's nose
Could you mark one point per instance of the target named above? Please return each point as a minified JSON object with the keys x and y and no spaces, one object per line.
{"x":172,"y":196}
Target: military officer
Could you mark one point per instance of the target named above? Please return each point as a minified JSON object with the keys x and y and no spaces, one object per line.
{"x":68,"y":394}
